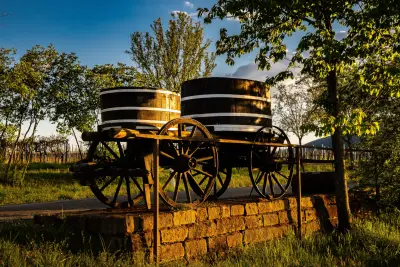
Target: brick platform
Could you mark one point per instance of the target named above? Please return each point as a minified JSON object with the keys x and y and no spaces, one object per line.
{"x":187,"y":234}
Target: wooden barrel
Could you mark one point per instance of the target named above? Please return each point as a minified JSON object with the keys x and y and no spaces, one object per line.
{"x":137,"y":107}
{"x":228,"y":107}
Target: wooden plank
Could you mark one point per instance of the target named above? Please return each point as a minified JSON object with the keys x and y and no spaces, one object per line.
{"x":156,"y":204}
{"x":299,"y":217}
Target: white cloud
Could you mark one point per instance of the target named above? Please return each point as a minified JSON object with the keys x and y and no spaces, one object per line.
{"x":188,"y":4}
{"x":193,"y":14}
{"x":230,"y":17}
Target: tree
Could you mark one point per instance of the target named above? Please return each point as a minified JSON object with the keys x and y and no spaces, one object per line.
{"x":169,"y":58}
{"x":293,"y":107}
{"x":371,"y":44}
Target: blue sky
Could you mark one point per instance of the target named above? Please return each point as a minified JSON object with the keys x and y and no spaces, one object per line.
{"x":99,"y":31}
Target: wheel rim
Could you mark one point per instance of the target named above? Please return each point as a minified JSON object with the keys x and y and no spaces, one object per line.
{"x":222,"y":181}
{"x":193,"y":165}
{"x":271,"y":168}
{"x":111,"y":179}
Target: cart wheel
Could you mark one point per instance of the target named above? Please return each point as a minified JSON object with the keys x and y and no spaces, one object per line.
{"x":193,"y":164}
{"x":110,"y":180}
{"x":271,"y":168}
{"x":222,"y":181}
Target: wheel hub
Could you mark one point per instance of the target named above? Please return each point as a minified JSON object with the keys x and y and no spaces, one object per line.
{"x":184,"y":163}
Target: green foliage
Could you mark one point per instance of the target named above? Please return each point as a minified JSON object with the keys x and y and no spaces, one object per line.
{"x":381,"y":172}
{"x":169,"y":58}
{"x":370,"y":45}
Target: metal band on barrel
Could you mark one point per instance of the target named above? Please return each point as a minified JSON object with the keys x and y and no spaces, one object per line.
{"x":140,"y":108}
{"x":133,"y":120}
{"x":227,"y":114}
{"x":138,"y":91}
{"x":225,"y":96}
{"x":236,"y":128}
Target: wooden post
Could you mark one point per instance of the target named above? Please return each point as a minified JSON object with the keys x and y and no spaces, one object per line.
{"x":156,"y":206}
{"x":299,"y":217}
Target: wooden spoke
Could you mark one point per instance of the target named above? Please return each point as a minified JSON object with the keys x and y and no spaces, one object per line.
{"x":166,"y":155}
{"x":138,"y":185}
{"x":193,"y":131}
{"x":118,"y":188}
{"x":259,"y":177}
{"x":265,"y":184}
{"x":185,"y":183}
{"x":202,"y":180}
{"x":169,"y":179}
{"x":205,"y":159}
{"x":193,"y":184}
{"x":176,"y":191}
{"x":282,"y":175}
{"x":277,"y":182}
{"x":220,"y":179}
{"x":128,"y":190}
{"x":197,"y":147}
{"x":110,"y":150}
{"x":108,"y":183}
{"x":271,"y":185}
{"x":120,"y":149}
{"x":203,"y":172}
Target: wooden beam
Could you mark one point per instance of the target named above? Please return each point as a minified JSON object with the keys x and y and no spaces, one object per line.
{"x":156,"y":204}
{"x":299,"y":217}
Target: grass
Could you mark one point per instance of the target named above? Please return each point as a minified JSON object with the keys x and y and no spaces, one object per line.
{"x":52,"y":181}
{"x":374,"y":241}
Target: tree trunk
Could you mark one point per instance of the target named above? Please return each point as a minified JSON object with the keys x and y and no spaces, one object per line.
{"x":77,"y":143}
{"x":342,"y":196}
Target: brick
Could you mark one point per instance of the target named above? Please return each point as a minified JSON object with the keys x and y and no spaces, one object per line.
{"x":311,"y":227}
{"x":130,"y":224}
{"x":264,"y":234}
{"x":287,"y":216}
{"x":271,"y":206}
{"x":136,"y":242}
{"x":165,"y":220}
{"x":332,"y":211}
{"x":328,"y":199}
{"x":291,"y":203}
{"x":146,"y":222}
{"x":195,"y":248}
{"x":75,"y":221}
{"x":234,"y":240}
{"x":200,"y":230}
{"x":214,"y":213}
{"x":237,"y":210}
{"x":310,"y":215}
{"x":173,"y":235}
{"x":111,"y":225}
{"x":217,"y":243}
{"x":256,"y":235}
{"x":184,"y":217}
{"x":251,"y":209}
{"x":201,"y":214}
{"x":232,"y":224}
{"x":148,"y":238}
{"x":225,"y":211}
{"x":254,"y":221}
{"x":306,"y":202}
{"x":270,"y":219}
{"x":172,"y":252}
